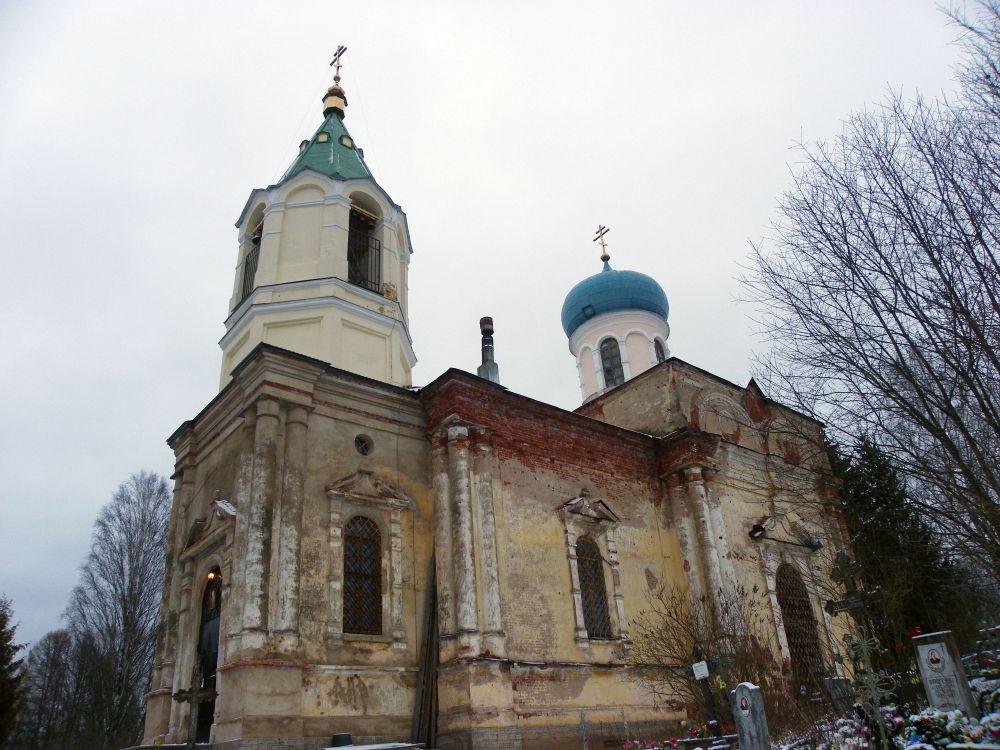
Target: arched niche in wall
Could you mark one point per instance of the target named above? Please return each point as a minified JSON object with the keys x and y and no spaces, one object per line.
{"x":719,"y":414}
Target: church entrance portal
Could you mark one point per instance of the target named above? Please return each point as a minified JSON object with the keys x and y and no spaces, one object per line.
{"x":208,"y":652}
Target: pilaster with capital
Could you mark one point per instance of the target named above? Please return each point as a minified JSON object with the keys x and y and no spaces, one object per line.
{"x":683,"y":518}
{"x":286,"y":617}
{"x":483,"y":465}
{"x":183,"y":497}
{"x":241,"y":499}
{"x":463,"y":551}
{"x":185,"y":656}
{"x":166,"y":652}
{"x":719,"y":530}
{"x":443,"y":543}
{"x":262,"y":501}
{"x":697,"y":494}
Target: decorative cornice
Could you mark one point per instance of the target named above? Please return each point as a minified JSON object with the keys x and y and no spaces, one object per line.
{"x":241,"y":317}
{"x":688,"y":449}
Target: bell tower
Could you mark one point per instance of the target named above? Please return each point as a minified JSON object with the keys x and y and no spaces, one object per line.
{"x":323,"y":260}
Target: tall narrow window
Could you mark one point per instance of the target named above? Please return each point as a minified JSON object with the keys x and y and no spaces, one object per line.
{"x":800,"y":628}
{"x":592,"y":592}
{"x":208,"y":650}
{"x":250,"y":263}
{"x":364,"y":252}
{"x":362,"y":577}
{"x":611,"y":361}
{"x":661,"y":353}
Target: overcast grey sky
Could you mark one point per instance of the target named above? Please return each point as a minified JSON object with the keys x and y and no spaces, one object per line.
{"x":131,"y":134}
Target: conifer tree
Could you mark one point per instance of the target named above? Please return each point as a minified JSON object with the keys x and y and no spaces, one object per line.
{"x":10,"y":671}
{"x":912,"y":580}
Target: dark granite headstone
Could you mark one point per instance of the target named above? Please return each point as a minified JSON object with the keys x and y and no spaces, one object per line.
{"x":751,"y":719}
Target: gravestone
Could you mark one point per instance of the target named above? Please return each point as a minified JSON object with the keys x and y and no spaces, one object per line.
{"x":751,"y":720}
{"x":841,"y":692}
{"x":942,"y":673}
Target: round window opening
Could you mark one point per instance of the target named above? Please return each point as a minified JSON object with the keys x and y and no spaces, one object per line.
{"x":363,"y":444}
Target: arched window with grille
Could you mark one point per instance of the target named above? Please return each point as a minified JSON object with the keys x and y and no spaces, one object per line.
{"x":611,"y":361}
{"x":660,"y":351}
{"x":364,"y":251}
{"x":252,"y":256}
{"x":362,"y":577}
{"x":594,"y":596}
{"x":800,"y":627}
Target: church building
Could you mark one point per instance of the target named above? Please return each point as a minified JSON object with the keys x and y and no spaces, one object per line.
{"x":457,"y":563}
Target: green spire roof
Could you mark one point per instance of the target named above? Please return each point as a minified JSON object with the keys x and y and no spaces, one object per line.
{"x":332,"y":152}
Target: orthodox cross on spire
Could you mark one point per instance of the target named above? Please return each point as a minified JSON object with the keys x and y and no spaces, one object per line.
{"x":335,"y":63}
{"x":601,"y":231}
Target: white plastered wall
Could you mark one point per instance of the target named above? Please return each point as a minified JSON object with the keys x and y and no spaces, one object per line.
{"x":634,"y":330}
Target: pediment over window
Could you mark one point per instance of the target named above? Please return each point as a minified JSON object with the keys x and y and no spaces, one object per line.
{"x":590,"y":509}
{"x":203,"y":531}
{"x":195,"y":533}
{"x":365,"y":487}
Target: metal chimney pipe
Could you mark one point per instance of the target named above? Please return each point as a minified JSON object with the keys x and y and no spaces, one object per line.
{"x":488,"y":369}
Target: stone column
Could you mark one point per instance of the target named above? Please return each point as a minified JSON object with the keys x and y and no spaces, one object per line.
{"x":183,"y":496}
{"x":719,"y":532}
{"x":494,"y":636}
{"x":463,"y":552}
{"x":698,"y":500}
{"x":180,"y":580}
{"x":187,"y":645}
{"x":166,"y":646}
{"x":687,"y":537}
{"x":442,"y":544}
{"x":259,"y":523}
{"x":241,"y":499}
{"x":286,"y":616}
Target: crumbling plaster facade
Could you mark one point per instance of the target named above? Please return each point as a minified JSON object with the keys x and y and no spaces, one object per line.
{"x":666,"y":473}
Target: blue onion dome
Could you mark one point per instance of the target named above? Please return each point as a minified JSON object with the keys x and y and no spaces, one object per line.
{"x":611,"y":291}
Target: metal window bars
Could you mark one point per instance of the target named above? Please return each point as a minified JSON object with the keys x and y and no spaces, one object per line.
{"x":611,"y":361}
{"x":800,"y":628}
{"x":592,"y":591}
{"x":362,"y":577}
{"x":250,"y":269}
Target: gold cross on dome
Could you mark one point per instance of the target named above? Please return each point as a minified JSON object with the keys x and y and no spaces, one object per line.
{"x":601,"y":231}
{"x":341,"y":49}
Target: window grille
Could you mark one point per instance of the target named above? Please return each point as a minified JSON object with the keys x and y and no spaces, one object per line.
{"x":611,"y":360}
{"x":364,"y":253}
{"x":362,"y":577}
{"x":592,"y":592}
{"x":800,"y":627}
{"x":250,"y":267}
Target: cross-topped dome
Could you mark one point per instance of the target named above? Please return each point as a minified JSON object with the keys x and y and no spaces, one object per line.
{"x":612,"y":291}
